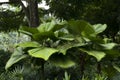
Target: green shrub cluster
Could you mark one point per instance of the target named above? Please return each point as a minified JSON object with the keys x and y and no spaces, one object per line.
{"x":67,"y":44}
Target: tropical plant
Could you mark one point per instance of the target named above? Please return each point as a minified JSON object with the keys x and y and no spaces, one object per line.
{"x":67,"y":77}
{"x":42,"y":43}
{"x":62,"y":42}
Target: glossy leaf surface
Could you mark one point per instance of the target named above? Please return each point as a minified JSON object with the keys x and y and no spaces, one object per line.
{"x":42,"y":52}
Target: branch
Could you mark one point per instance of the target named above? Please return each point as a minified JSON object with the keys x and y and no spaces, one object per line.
{"x":19,"y":13}
{"x":8,"y":2}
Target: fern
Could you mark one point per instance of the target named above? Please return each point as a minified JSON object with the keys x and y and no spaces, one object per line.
{"x":17,"y":73}
{"x":20,"y":73}
{"x":2,"y":77}
{"x":99,"y":77}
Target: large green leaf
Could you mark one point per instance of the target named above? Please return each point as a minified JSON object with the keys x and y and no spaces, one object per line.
{"x":29,"y":44}
{"x":28,"y":30}
{"x":108,"y":46}
{"x":59,"y":26}
{"x":46,"y":27}
{"x":15,"y":57}
{"x":42,"y":52}
{"x":51,"y":26}
{"x":61,"y":60}
{"x":80,"y":27}
{"x":112,"y":53}
{"x":64,"y":47}
{"x":97,"y":40}
{"x":99,"y":28}
{"x":44,"y":35}
{"x":97,"y":54}
{"x":63,"y":34}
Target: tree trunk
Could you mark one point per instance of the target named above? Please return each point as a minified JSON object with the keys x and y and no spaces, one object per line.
{"x":33,"y":13}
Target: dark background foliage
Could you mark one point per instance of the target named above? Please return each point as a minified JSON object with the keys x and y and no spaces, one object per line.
{"x":94,"y":11}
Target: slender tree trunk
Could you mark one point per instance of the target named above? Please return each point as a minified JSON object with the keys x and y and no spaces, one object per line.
{"x":99,"y":68}
{"x":33,"y":13}
{"x":82,"y":63}
{"x":42,"y":70}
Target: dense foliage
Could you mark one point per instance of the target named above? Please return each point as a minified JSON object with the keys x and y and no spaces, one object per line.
{"x":66,"y":44}
{"x":72,"y":40}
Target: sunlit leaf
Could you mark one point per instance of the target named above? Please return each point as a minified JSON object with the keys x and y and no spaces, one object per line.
{"x":64,"y":47}
{"x":97,"y":54}
{"x":108,"y":46}
{"x":42,"y":52}
{"x":15,"y":57}
{"x":46,"y":27}
{"x":99,"y":28}
{"x":67,"y":37}
{"x":29,"y":44}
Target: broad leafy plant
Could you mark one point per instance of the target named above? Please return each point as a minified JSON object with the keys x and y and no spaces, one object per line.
{"x":61,"y":42}
{"x":45,"y":41}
